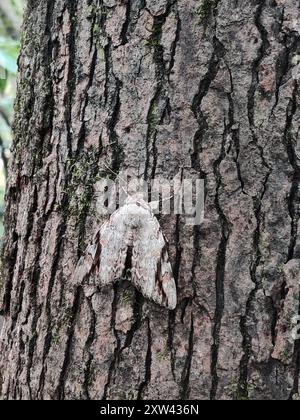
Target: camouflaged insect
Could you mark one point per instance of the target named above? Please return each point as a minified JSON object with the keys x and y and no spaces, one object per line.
{"x":131,"y":240}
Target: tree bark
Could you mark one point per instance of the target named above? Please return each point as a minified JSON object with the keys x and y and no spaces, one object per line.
{"x":155,"y":86}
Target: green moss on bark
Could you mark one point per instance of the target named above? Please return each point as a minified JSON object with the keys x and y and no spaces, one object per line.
{"x":205,"y":9}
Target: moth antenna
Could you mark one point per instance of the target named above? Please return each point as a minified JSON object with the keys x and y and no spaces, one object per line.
{"x":114,"y":173}
{"x":126,"y":192}
{"x":119,"y":177}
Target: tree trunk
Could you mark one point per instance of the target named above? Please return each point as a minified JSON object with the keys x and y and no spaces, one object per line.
{"x":210,"y":87}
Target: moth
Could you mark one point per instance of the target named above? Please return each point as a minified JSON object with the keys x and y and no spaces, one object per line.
{"x":131,"y":245}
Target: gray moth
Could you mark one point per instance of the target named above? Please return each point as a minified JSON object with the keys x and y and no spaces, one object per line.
{"x":131,"y":240}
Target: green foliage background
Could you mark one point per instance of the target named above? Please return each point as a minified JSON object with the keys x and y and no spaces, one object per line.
{"x":11,"y":12}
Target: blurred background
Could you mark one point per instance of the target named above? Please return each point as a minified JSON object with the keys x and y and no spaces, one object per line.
{"x":11,"y":12}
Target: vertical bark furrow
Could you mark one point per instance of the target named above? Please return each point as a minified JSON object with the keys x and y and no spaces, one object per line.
{"x":256,"y":64}
{"x":294,"y":196}
{"x":115,"y":358}
{"x":220,"y":275}
{"x":116,"y":148}
{"x":82,"y":132}
{"x":72,"y":8}
{"x":148,"y":362}
{"x":213,"y":67}
{"x":185,"y":382}
{"x":59,"y":392}
{"x":160,"y":100}
{"x":175,"y":44}
{"x":234,"y":130}
{"x":126,"y":24}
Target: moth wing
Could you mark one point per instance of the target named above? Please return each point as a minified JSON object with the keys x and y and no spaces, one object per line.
{"x":105,"y":256}
{"x":114,"y":245}
{"x":151,"y":269}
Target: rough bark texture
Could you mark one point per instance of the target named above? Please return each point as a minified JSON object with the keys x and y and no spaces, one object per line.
{"x":156,"y":86}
